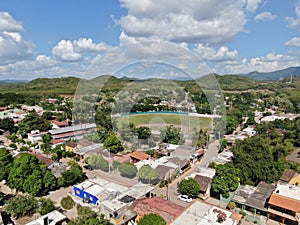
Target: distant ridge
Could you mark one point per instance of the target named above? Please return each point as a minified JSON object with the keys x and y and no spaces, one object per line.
{"x":8,"y":81}
{"x":275,"y":75}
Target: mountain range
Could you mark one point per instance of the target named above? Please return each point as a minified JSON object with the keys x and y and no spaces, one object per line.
{"x":275,"y":75}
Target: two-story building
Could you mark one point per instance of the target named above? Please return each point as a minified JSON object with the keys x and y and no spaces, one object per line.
{"x":284,"y":204}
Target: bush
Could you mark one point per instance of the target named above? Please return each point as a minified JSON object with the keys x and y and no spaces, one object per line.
{"x":231,"y":205}
{"x":13,"y":145}
{"x":151,"y":219}
{"x":98,"y":162}
{"x":116,"y":164}
{"x":243,"y":213}
{"x":46,"y":206}
{"x":85,"y":211}
{"x":127,"y":170}
{"x":67,"y":202}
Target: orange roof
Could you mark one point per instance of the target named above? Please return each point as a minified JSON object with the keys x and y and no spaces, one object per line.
{"x":285,"y":202}
{"x":236,"y":216}
{"x":139,"y":155}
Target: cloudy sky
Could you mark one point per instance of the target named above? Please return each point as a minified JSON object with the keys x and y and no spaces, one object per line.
{"x":54,"y":38}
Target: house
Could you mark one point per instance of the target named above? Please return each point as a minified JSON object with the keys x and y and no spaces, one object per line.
{"x":166,"y":209}
{"x":57,"y":142}
{"x":90,"y":149}
{"x":284,"y":204}
{"x":290,"y":177}
{"x":138,"y":156}
{"x":205,"y":185}
{"x":250,"y":131}
{"x":165,"y":172}
{"x":199,"y":212}
{"x":254,"y":199}
{"x":60,"y":124}
{"x":204,"y":176}
{"x":70,"y":146}
{"x":111,"y":198}
{"x":52,"y":218}
{"x":35,"y":136}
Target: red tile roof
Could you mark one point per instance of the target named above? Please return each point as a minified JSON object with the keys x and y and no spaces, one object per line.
{"x":285,"y":202}
{"x":166,"y":209}
{"x":61,"y":123}
{"x":57,"y":141}
{"x":139,"y":155}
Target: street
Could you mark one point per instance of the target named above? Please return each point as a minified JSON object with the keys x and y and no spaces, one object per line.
{"x":210,"y":154}
{"x":171,"y":193}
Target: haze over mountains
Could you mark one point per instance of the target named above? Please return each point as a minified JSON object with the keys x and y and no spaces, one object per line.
{"x":274,"y":75}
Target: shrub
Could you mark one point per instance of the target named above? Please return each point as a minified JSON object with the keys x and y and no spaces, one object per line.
{"x":67,"y":202}
{"x":116,"y":164}
{"x":13,"y":145}
{"x":127,"y":170}
{"x":46,"y":206}
{"x":231,"y":205}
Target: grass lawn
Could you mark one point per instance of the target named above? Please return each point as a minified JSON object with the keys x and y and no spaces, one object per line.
{"x":157,"y":121}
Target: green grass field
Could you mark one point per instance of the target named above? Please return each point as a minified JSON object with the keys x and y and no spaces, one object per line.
{"x":158,"y":121}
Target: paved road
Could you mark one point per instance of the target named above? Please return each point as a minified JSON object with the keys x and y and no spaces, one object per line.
{"x":210,"y":154}
{"x":171,"y":192}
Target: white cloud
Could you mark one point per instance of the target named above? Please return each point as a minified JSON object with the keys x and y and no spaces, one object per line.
{"x":294,"y":22}
{"x":267,"y":63}
{"x":252,"y":5}
{"x":222,"y":54}
{"x":9,"y":24}
{"x":265,"y":16}
{"x":193,"y":21}
{"x":65,"y":51}
{"x":12,"y":46}
{"x":87,"y":45}
{"x":294,"y":42}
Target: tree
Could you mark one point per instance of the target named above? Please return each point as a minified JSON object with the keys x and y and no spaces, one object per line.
{"x":257,"y":160}
{"x":21,"y":169}
{"x":200,"y":138}
{"x":6,"y":161}
{"x":71,"y":176}
{"x":33,"y":122}
{"x":146,"y":173}
{"x":97,"y":162}
{"x":127,"y":170}
{"x":7,"y":124}
{"x":21,"y":205}
{"x":151,"y":219}
{"x":172,"y":135}
{"x":225,"y":180}
{"x":46,"y":206}
{"x":189,"y":187}
{"x":29,"y":175}
{"x":113,"y":144}
{"x":142,"y":132}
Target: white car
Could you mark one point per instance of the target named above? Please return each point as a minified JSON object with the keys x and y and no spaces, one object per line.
{"x":185,"y":198}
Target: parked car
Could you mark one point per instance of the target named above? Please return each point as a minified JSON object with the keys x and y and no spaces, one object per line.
{"x":185,"y":198}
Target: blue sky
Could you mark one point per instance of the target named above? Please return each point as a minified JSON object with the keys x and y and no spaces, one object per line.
{"x":53,"y":38}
